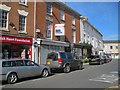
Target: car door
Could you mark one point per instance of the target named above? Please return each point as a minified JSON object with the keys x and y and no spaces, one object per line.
{"x":21,"y":69}
{"x":70,"y":58}
{"x":34,"y":69}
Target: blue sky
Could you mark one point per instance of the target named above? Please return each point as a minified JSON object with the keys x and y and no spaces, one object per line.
{"x":102,"y":15}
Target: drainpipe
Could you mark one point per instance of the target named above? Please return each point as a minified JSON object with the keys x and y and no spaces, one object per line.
{"x":34,"y":39}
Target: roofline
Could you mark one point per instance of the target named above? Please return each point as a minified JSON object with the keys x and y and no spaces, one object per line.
{"x":93,"y":27}
{"x":111,"y":41}
{"x":66,"y":7}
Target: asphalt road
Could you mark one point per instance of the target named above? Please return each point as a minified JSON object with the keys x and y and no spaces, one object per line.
{"x":93,"y":76}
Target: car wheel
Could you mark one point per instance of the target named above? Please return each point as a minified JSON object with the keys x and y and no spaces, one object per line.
{"x":12,"y":78}
{"x":45,"y":73}
{"x":67,"y":69}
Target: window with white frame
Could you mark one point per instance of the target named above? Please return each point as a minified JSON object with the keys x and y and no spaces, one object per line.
{"x":3,"y":19}
{"x":49,"y":8}
{"x":62,"y":15}
{"x":48,"y":29}
{"x":73,"y":36}
{"x":73,"y":20}
{"x":24,"y":2}
{"x":22,"y":23}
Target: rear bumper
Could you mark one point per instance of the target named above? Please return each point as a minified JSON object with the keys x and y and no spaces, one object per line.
{"x":3,"y":77}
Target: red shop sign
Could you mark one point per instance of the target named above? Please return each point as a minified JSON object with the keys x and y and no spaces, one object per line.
{"x":15,"y":40}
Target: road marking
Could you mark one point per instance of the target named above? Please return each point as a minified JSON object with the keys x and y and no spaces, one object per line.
{"x":108,"y":78}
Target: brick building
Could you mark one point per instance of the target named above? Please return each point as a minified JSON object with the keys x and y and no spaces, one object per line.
{"x":57,"y":28}
{"x":16,"y":29}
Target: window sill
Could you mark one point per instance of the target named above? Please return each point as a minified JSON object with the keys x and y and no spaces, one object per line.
{"x":22,"y":32}
{"x":50,"y":14}
{"x":23,"y":4}
{"x":4,"y":29}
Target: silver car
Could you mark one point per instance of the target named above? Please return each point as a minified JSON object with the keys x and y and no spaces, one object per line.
{"x":12,"y":70}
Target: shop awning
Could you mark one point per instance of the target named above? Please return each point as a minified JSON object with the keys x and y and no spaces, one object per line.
{"x":52,"y":42}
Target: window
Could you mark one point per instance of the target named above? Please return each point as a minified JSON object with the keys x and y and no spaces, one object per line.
{"x":24,"y":2}
{"x":19,"y":63}
{"x":4,"y":19}
{"x":73,"y":20}
{"x":69,"y":56}
{"x":62,"y":54}
{"x":48,"y":29}
{"x":49,"y":8}
{"x":30,"y":63}
{"x":53,"y":56}
{"x":22,"y":23}
{"x":73,"y":35}
{"x":62,"y":15}
{"x":116,"y":47}
{"x":8,"y":64}
{"x":111,"y":47}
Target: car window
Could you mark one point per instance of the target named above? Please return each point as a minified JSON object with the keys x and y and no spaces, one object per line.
{"x":19,"y":63}
{"x":30,"y":63}
{"x":69,"y":56}
{"x":53,"y":56}
{"x":8,"y":64}
{"x":62,"y":55}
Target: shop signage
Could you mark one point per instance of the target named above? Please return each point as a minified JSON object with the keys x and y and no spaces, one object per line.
{"x":59,"y":30}
{"x":15,"y":40}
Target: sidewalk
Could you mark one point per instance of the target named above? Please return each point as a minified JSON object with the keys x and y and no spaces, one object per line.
{"x":85,"y":64}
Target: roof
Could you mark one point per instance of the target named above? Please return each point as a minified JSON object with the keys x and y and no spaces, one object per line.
{"x":111,"y":41}
{"x":93,"y":27}
{"x":63,"y":5}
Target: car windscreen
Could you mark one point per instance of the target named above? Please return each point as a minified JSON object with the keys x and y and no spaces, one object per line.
{"x":53,"y":56}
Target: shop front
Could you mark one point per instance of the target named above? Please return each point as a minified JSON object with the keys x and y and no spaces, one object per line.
{"x":15,"y":47}
{"x":46,"y":46}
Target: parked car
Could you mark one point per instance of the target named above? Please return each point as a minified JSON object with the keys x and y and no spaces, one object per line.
{"x":63,"y":60}
{"x":109,"y":58}
{"x":96,"y":59}
{"x":12,"y":70}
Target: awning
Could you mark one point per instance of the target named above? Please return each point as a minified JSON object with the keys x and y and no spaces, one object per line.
{"x":52,"y":42}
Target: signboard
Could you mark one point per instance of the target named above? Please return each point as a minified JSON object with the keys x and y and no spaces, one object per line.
{"x":15,"y":40}
{"x":59,"y":29}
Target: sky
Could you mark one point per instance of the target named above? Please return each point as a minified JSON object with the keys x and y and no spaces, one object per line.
{"x":102,"y":15}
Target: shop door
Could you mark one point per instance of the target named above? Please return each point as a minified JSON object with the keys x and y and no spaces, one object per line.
{"x":43,"y":52}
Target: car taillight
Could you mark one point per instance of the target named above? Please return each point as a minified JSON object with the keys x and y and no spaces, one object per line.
{"x":59,"y":60}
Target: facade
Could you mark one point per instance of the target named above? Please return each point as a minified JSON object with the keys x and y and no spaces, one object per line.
{"x":16,"y":29}
{"x":91,"y":37}
{"x":57,"y":26}
{"x":111,"y":47}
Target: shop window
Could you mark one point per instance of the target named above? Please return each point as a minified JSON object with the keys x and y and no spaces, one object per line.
{"x":49,"y":8}
{"x":4,"y":19}
{"x":22,"y":23}
{"x":48,"y":29}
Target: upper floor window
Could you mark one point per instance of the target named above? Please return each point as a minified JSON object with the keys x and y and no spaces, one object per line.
{"x":4,"y":19}
{"x":24,"y":2}
{"x":62,"y":15}
{"x":48,"y":29}
{"x":22,"y":23}
{"x":111,"y":47}
{"x":73,"y":20}
{"x":116,"y":47}
{"x":49,"y":8}
{"x":73,"y":36}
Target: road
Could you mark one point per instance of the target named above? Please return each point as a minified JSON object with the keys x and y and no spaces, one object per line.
{"x":93,"y":76}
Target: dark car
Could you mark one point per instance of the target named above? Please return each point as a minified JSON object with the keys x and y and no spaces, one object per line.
{"x":63,"y":60}
{"x":96,"y":59}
